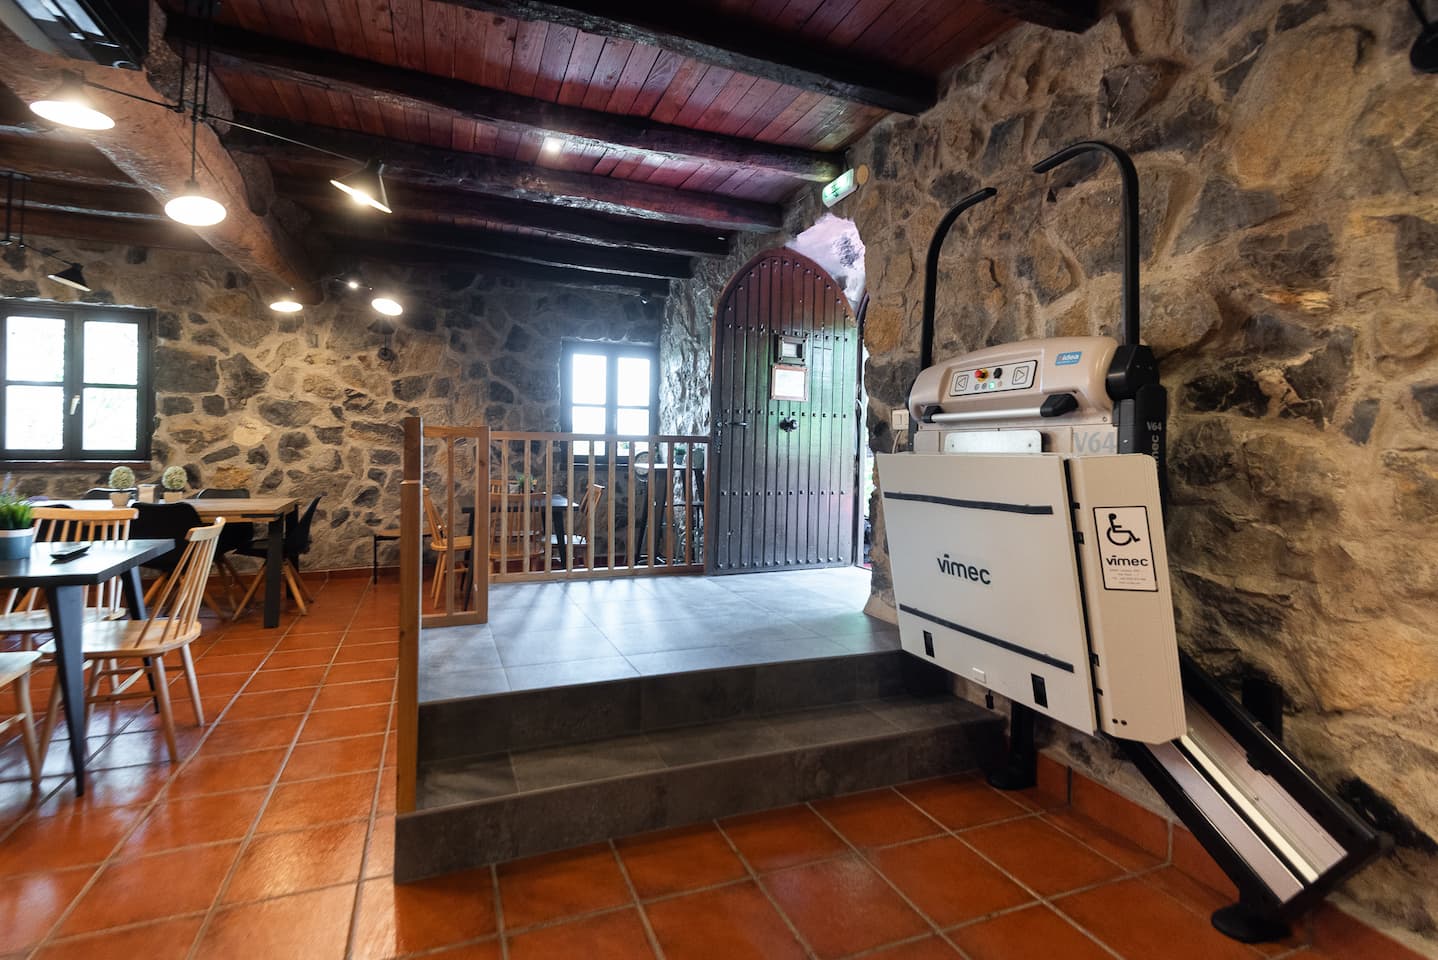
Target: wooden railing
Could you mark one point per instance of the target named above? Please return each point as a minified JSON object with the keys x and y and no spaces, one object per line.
{"x":549,"y":521}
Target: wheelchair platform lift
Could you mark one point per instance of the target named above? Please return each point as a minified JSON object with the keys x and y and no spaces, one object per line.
{"x":1027,"y":544}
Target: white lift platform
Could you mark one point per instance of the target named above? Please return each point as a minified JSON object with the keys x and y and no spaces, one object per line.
{"x":1025,"y":533}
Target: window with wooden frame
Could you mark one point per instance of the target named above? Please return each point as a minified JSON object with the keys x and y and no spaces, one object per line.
{"x":609,"y":388}
{"x":75,"y":382}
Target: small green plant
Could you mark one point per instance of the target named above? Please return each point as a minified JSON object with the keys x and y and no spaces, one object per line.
{"x":174,"y":479}
{"x":14,"y":511}
{"x":122,"y":478}
{"x":524,"y":482}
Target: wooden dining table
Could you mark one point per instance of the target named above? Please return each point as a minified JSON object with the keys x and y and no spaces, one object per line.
{"x":274,"y":512}
{"x":64,"y":586}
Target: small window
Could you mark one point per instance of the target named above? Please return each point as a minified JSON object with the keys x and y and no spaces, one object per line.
{"x":609,"y":388}
{"x":74,"y":383}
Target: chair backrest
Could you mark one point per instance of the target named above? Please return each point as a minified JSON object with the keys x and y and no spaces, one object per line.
{"x":297,"y":537}
{"x":164,"y":521}
{"x":432,"y":517}
{"x":222,"y":493}
{"x":98,"y":493}
{"x":68,"y":525}
{"x":587,"y":506}
{"x":178,"y":609}
{"x":517,"y":531}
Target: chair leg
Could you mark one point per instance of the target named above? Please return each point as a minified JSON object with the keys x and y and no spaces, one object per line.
{"x":52,"y":716}
{"x":167,"y":713}
{"x":249,"y":594}
{"x":296,"y":590}
{"x":27,"y":730}
{"x":439,"y":565}
{"x":192,"y":682}
{"x":232,"y":579}
{"x":374,"y":560}
{"x":156,"y":586}
{"x":299,"y":582}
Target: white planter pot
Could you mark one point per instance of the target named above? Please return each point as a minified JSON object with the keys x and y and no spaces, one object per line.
{"x":174,"y":496}
{"x":120,"y":498}
{"x":15,"y":544}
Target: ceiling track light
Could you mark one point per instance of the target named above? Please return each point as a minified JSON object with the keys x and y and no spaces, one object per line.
{"x":73,"y":276}
{"x":287,"y":304}
{"x":194,"y":209}
{"x":366,"y":186}
{"x":387,"y":305}
{"x":71,"y":106}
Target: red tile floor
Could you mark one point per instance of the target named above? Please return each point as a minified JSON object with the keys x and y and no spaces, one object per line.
{"x":272,"y":840}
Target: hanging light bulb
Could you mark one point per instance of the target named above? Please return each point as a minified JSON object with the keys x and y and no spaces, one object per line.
{"x":388,"y":306}
{"x":70,"y":106}
{"x":366,"y":186}
{"x":194,"y":209}
{"x":287,"y":305}
{"x":72,"y":276}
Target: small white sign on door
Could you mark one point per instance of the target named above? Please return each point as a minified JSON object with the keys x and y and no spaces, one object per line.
{"x":1125,"y":549}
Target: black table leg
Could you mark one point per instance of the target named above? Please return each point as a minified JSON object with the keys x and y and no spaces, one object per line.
{"x":67,"y":610}
{"x":274,"y":572}
{"x":134,"y":595}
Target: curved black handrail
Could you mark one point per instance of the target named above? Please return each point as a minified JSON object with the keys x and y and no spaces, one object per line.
{"x":931,"y":270}
{"x":1128,"y":179}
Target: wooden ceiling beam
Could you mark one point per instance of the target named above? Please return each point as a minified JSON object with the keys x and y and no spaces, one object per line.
{"x":501,"y":267}
{"x":151,"y":145}
{"x":29,"y":152}
{"x":475,"y":173}
{"x":1073,"y":16}
{"x":258,"y":55}
{"x":419,"y":204}
{"x":554,"y":253}
{"x":743,"y":46}
{"x":94,"y":225}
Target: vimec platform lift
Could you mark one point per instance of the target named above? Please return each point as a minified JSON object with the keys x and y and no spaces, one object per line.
{"x":1028,"y":554}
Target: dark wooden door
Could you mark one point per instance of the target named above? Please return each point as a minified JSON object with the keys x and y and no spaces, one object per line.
{"x":784,"y":471}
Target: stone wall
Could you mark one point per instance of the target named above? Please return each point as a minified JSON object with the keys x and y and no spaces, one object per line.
{"x":1290,"y":229}
{"x":304,"y":405}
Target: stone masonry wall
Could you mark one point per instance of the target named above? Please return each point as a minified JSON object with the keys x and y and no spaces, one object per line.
{"x":303,"y":405}
{"x":1290,"y":250}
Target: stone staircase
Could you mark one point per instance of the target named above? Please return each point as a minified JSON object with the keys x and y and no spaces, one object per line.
{"x":513,"y":774}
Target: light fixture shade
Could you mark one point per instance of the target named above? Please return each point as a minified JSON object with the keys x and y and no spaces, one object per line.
{"x":194,"y":209}
{"x":287,"y":305}
{"x":72,"y":276}
{"x":553,"y":146}
{"x":70,"y":106}
{"x":388,"y":306}
{"x":366,"y":186}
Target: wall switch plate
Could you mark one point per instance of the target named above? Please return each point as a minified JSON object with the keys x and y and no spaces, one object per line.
{"x":900,"y":420}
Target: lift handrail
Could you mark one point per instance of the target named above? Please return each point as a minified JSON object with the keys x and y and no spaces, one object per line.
{"x":1128,"y":180}
{"x":931,"y":270}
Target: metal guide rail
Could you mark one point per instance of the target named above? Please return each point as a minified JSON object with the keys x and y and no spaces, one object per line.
{"x":1028,"y":556}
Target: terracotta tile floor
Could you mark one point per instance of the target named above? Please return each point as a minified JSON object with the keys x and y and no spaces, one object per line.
{"x":273,"y":840}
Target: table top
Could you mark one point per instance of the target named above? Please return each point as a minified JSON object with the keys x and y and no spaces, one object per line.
{"x":103,"y":562}
{"x":247,"y":508}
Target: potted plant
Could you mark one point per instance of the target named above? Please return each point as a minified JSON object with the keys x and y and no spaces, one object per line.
{"x":16,"y":532}
{"x":122,"y":482}
{"x":173,"y":480}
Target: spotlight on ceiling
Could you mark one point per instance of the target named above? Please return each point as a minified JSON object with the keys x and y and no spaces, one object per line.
{"x":72,"y":276}
{"x":366,"y":186}
{"x":71,"y":106}
{"x":194,"y":209}
{"x":286,"y":305}
{"x":388,"y":306}
{"x":352,"y":284}
{"x":553,"y":146}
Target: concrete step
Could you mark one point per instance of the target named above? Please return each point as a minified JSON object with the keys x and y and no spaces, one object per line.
{"x":496,"y":723}
{"x":559,"y":788}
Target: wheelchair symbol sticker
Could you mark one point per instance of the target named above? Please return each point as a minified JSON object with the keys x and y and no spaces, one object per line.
{"x":1125,"y":553}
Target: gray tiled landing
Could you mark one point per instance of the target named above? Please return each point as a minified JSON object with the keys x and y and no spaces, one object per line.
{"x":556,"y":634}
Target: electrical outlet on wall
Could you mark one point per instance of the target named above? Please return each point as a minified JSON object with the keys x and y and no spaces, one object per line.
{"x":899,"y":419}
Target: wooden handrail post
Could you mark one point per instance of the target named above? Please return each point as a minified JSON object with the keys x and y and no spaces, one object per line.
{"x":411,"y":510}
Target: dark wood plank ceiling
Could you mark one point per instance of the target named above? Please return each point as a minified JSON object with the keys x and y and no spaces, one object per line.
{"x":677,"y":124}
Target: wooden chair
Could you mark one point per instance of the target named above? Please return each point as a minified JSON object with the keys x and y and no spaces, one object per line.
{"x":441,"y":544}
{"x":584,"y":525}
{"x":174,"y":622}
{"x":516,"y":533}
{"x":23,"y":614}
{"x":15,"y":669}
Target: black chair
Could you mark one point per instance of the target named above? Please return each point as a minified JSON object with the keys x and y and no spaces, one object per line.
{"x":235,"y":537}
{"x":167,"y":521}
{"x":296,"y":545}
{"x":103,"y":493}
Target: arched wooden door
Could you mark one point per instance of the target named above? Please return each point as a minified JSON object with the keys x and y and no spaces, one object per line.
{"x":784,"y":472}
